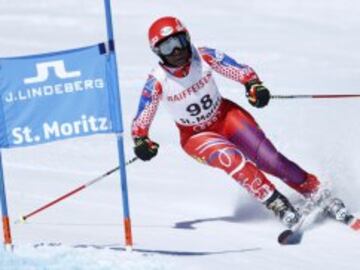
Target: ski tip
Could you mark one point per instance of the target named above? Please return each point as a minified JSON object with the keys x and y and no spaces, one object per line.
{"x":355,"y":224}
{"x":289,"y":237}
{"x":283,"y":237}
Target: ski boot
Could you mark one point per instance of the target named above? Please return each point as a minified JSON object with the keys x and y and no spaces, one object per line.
{"x":283,"y":209}
{"x":322,"y":197}
{"x":336,"y":209}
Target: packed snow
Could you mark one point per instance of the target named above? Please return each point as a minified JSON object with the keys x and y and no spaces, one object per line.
{"x":186,"y":215}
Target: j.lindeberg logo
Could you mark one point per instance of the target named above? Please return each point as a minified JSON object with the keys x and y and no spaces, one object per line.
{"x":59,"y":70}
{"x":40,"y":85}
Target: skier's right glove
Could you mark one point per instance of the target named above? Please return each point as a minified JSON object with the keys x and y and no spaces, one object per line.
{"x":145,"y":149}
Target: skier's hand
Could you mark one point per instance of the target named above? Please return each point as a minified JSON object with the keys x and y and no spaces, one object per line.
{"x":145,"y":149}
{"x":257,"y":94}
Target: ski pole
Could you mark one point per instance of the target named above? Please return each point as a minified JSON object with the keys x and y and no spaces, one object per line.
{"x":23,"y":218}
{"x":315,"y":96}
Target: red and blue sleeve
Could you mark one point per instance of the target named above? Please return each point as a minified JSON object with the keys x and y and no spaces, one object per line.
{"x":149,"y":102}
{"x":227,"y":66}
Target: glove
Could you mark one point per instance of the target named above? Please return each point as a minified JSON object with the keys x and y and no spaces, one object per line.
{"x":145,"y":149}
{"x":257,"y":94}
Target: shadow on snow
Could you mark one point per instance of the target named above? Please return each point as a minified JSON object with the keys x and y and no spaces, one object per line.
{"x":245,"y":212}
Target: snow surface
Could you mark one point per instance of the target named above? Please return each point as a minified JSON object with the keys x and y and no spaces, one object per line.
{"x":186,"y":215}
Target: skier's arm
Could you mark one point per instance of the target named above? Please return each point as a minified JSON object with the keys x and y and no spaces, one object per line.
{"x":257,"y":94}
{"x":227,"y":66}
{"x":146,"y":149}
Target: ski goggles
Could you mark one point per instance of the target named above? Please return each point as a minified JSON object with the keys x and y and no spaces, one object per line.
{"x":171,"y":43}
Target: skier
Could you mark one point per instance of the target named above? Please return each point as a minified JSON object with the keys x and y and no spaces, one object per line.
{"x":213,"y":129}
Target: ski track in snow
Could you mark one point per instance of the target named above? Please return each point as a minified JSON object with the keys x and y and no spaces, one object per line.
{"x":185,"y":215}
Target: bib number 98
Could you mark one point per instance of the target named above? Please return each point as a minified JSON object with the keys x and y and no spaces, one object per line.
{"x":205,"y":103}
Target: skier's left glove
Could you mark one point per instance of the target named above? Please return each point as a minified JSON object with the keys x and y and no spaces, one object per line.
{"x":257,"y":94}
{"x":145,"y":149}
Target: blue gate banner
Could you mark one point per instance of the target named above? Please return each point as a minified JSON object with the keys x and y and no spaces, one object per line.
{"x":57,"y":96}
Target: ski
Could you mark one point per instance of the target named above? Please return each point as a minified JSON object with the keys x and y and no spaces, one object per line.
{"x":354,"y":224}
{"x":314,"y":208}
{"x":293,"y":236}
{"x":290,"y":237}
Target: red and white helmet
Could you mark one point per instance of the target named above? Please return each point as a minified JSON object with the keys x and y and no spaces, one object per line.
{"x":165,"y":27}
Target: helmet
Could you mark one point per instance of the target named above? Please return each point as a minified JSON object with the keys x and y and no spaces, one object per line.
{"x":164,"y":27}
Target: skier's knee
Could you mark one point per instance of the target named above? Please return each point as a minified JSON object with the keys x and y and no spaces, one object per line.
{"x":229,"y":159}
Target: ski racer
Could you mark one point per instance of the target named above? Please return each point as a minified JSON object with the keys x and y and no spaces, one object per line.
{"x":213,"y":129}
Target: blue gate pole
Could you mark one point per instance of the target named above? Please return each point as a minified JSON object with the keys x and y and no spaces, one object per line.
{"x":119,"y":136}
{"x":4,"y":210}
